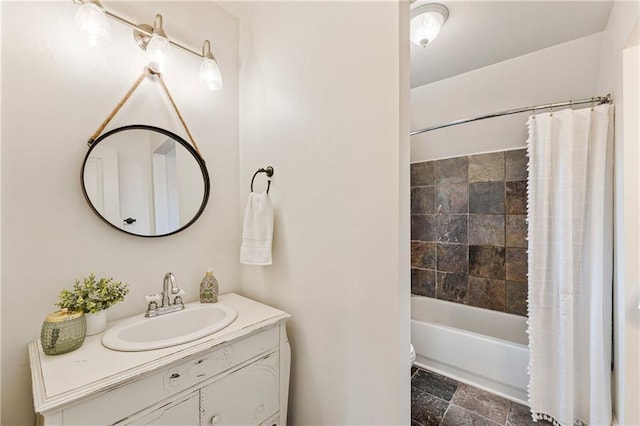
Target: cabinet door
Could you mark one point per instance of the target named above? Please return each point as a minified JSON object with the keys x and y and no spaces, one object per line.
{"x":183,"y":412}
{"x":246,"y":397}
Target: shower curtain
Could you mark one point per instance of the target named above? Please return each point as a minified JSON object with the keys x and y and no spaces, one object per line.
{"x":570,"y":225}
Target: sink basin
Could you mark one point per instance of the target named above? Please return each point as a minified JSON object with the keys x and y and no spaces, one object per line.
{"x":196,"y":320}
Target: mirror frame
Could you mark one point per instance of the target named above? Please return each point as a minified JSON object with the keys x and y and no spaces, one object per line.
{"x":184,"y":143}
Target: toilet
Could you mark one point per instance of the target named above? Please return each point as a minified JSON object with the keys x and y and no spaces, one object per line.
{"x":412,"y":354}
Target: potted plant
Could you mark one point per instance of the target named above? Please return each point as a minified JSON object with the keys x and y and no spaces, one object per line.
{"x":93,"y":297}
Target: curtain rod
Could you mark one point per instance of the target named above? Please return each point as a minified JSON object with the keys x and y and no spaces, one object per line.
{"x":597,"y":100}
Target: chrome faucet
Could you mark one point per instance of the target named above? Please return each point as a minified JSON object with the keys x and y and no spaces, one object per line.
{"x":170,"y":290}
{"x":169,"y":278}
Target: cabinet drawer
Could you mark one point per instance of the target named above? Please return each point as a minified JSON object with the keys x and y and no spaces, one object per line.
{"x":184,"y":412}
{"x":121,"y":402}
{"x":248,"y":397}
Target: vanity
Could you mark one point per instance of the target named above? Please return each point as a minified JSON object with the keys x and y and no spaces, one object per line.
{"x":236,"y":376}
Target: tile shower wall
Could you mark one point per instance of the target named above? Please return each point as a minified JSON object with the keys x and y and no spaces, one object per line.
{"x":468,"y":230}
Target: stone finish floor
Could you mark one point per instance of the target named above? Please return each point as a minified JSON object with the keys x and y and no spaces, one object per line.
{"x":440,"y":401}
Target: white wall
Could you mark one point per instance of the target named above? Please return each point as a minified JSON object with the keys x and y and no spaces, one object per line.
{"x":329,"y":114}
{"x":618,"y":35}
{"x":55,"y":92}
{"x":559,"y":73}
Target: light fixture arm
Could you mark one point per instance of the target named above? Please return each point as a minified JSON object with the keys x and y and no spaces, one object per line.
{"x":144,"y":29}
{"x":206,"y":51}
{"x":157,"y":24}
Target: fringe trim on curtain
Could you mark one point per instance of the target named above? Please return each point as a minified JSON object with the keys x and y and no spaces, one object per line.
{"x":542,"y":416}
{"x":530,"y":125}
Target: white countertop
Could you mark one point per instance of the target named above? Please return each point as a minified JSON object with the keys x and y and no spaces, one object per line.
{"x":90,"y":368}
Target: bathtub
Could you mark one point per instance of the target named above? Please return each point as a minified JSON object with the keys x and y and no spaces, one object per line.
{"x":483,"y":348}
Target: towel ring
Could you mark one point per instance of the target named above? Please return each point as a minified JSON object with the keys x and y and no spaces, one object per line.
{"x":266,"y":170}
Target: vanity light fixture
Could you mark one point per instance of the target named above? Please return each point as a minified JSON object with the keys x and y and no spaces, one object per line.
{"x":155,"y":45}
{"x":209,"y":69}
{"x":91,"y":19}
{"x":426,"y":22}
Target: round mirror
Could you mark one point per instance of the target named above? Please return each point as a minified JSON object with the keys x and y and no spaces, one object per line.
{"x":145,"y":181}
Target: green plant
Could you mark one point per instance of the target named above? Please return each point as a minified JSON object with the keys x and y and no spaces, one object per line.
{"x":91,"y":295}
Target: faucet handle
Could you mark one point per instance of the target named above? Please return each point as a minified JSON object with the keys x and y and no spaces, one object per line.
{"x":152,"y":307}
{"x":178,"y":297}
{"x":153,"y":298}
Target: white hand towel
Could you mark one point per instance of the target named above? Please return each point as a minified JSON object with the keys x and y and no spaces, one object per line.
{"x":258,"y":231}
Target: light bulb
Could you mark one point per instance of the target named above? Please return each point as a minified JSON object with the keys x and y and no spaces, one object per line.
{"x":91,"y":20}
{"x":210,"y":74}
{"x":156,"y":52}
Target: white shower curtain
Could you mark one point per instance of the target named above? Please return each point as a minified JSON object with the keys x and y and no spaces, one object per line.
{"x":570,"y":265}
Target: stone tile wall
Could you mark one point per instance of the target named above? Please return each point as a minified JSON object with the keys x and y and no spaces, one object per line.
{"x":468,"y":230}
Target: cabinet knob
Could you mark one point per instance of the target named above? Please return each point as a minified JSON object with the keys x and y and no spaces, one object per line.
{"x":215,"y":420}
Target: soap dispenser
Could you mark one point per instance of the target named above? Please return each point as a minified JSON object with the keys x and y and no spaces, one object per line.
{"x":209,"y":288}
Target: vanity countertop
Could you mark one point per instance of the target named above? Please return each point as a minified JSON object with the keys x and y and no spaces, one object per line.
{"x":91,"y":368}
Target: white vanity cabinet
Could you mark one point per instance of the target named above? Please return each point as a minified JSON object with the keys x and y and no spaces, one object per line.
{"x":237,"y":376}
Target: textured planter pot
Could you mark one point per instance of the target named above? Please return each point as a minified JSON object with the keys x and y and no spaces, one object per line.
{"x":96,"y":323}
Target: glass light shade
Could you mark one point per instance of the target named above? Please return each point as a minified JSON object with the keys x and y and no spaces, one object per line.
{"x":156,"y":52}
{"x":210,"y":74}
{"x":425,"y":27}
{"x":92,"y":22}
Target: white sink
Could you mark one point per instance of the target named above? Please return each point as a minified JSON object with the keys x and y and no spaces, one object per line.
{"x":196,"y":320}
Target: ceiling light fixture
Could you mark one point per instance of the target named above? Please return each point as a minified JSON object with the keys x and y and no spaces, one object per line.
{"x":426,"y":22}
{"x":209,"y":70}
{"x":91,"y":19}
